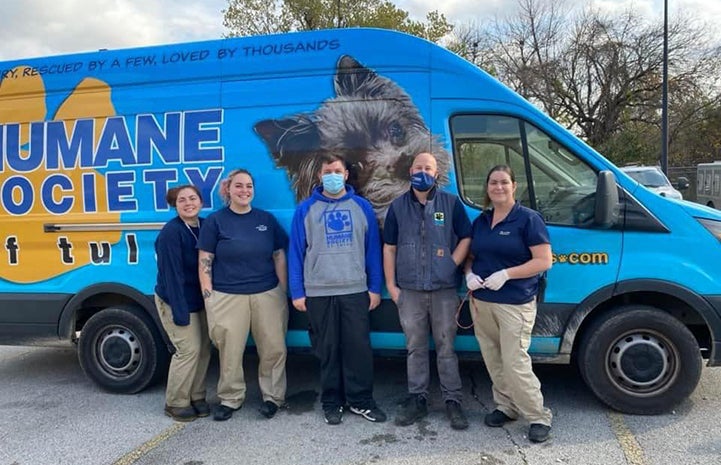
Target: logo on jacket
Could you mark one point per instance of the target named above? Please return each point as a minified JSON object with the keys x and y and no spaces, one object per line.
{"x":261,"y":227}
{"x":439,"y":219}
{"x":338,"y":228}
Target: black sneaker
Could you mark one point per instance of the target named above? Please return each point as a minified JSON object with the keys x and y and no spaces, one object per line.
{"x":183,"y":414}
{"x":538,"y":432}
{"x":455,"y":414}
{"x":333,"y":415}
{"x":496,"y":419}
{"x":268,"y":409}
{"x":223,"y":412}
{"x":371,"y":414}
{"x":201,"y":407}
{"x":412,"y":409}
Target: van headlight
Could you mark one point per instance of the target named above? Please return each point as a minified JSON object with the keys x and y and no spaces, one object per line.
{"x":712,"y":226}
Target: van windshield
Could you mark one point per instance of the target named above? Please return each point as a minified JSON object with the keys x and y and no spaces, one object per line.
{"x":650,"y":178}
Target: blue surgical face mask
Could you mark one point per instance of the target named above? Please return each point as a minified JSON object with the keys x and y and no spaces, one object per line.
{"x":333,"y":183}
{"x":422,"y":181}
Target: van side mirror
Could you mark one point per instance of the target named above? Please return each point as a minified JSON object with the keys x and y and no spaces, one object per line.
{"x":607,"y":206}
{"x":682,"y":183}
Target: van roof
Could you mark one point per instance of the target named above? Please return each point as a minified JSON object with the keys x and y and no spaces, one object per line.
{"x":270,"y":59}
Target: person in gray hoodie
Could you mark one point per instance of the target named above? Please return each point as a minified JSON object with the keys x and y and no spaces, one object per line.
{"x":335,"y":275}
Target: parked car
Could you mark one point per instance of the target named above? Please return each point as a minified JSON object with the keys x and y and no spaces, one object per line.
{"x":653,"y":178}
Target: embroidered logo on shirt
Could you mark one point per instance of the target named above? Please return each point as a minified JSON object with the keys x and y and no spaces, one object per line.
{"x":504,"y":233}
{"x":338,"y":228}
{"x":261,"y":227}
{"x":439,"y":218}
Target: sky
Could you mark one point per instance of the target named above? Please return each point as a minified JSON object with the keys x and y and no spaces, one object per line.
{"x":32,"y":28}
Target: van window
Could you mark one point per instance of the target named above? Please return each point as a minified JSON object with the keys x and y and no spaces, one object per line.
{"x":550,"y":179}
{"x":707,"y":183}
{"x":699,"y":182}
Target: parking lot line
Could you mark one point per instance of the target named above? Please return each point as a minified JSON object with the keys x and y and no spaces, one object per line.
{"x":629,"y":445}
{"x":137,"y":453}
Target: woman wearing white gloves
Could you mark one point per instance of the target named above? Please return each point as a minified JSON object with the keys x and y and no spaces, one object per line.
{"x":509,"y":249}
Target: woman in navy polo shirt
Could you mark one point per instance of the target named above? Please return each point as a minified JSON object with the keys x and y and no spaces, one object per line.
{"x":243,"y":278}
{"x":509,"y":249}
{"x":180,"y":306}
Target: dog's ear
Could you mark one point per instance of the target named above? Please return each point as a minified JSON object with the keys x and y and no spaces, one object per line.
{"x":289,"y":140}
{"x":351,"y":77}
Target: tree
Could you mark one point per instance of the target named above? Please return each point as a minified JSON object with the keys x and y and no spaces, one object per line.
{"x":252,"y":17}
{"x":600,"y":75}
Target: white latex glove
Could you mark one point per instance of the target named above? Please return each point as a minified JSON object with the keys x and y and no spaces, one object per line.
{"x":496,"y":280}
{"x":473,"y":281}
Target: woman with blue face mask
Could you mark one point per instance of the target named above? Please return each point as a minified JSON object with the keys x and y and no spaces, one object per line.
{"x":335,"y":275}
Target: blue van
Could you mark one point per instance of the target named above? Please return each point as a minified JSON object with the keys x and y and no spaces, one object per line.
{"x":91,"y":142}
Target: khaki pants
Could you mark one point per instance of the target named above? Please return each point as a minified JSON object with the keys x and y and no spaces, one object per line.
{"x":230,"y":318}
{"x":189,"y":364}
{"x":504,"y":334}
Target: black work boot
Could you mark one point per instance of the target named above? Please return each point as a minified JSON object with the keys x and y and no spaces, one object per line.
{"x":183,"y":414}
{"x":496,"y":419}
{"x":538,"y":432}
{"x":201,"y":407}
{"x":223,"y":412}
{"x":268,"y":409}
{"x":454,"y":412}
{"x":412,"y":409}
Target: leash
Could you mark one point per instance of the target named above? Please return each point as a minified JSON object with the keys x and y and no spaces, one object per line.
{"x":468,"y":298}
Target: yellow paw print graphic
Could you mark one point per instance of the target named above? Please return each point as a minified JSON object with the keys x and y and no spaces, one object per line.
{"x":34,"y":192}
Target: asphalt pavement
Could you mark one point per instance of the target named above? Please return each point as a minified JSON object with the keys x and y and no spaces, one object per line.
{"x":52,"y":414}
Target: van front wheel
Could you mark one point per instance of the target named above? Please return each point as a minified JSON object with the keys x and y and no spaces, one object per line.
{"x":640,"y":360}
{"x":121,"y":350}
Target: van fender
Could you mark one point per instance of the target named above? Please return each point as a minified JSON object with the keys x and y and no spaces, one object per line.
{"x":66,"y":325}
{"x":578,"y":317}
{"x":694,"y":300}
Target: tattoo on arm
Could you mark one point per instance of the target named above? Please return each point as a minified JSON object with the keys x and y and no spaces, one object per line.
{"x":207,"y":264}
{"x":206,"y":293}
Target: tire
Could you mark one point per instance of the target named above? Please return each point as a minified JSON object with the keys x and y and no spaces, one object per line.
{"x":121,"y":350}
{"x":639,"y":360}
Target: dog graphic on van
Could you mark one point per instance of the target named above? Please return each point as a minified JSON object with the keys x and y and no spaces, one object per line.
{"x":371,"y":121}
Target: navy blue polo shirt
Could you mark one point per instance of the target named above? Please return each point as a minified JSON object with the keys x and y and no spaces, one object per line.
{"x":243,"y":246}
{"x":505,"y":246}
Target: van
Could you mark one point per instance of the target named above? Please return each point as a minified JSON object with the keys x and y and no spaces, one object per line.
{"x":708,"y":184}
{"x":652,"y":178}
{"x":92,"y":141}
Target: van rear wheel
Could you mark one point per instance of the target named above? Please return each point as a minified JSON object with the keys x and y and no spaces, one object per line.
{"x":121,"y":351}
{"x":640,"y":360}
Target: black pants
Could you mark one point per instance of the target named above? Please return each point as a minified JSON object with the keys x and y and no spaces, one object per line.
{"x":340,"y":336}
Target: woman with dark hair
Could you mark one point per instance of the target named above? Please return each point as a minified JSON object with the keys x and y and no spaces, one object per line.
{"x":509,"y":249}
{"x":180,"y":306}
{"x":243,"y":279}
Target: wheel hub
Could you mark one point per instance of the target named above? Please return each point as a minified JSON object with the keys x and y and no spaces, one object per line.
{"x":639,"y":361}
{"x":119,"y":351}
